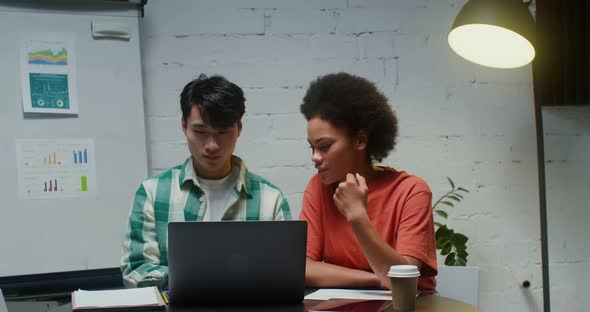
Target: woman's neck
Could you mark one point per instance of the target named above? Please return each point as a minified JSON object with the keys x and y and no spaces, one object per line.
{"x":368,"y":172}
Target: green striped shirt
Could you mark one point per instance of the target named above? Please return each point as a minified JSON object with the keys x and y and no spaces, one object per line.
{"x":175,"y":195}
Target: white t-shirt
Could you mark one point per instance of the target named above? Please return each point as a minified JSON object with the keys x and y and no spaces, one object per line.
{"x":218,"y":194}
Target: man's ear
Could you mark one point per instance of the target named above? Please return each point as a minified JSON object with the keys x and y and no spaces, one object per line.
{"x":183,"y":124}
{"x":361,"y":140}
{"x":239,"y":127}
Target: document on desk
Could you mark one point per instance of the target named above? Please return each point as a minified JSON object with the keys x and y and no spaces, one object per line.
{"x":133,"y":299}
{"x":363,"y":294}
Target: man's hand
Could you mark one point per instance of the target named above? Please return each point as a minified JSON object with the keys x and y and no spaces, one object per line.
{"x":351,"y":197}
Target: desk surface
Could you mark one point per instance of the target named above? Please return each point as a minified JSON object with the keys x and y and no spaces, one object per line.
{"x":424,"y":304}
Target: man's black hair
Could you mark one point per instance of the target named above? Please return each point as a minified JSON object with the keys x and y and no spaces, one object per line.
{"x":220,"y":102}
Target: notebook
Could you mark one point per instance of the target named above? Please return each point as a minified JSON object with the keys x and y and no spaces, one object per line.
{"x":236,"y":262}
{"x":132,"y":299}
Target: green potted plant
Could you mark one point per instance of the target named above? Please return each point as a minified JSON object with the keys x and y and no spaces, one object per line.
{"x":452,"y":244}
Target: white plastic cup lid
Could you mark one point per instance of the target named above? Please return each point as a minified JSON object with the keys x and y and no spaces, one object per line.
{"x":403,"y":270}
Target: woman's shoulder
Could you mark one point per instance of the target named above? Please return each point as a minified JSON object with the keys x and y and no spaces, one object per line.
{"x":314,"y":182}
{"x":315,"y":185}
{"x":404,"y":180}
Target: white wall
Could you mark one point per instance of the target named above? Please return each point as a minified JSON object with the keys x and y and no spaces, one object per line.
{"x":567,"y":163}
{"x":457,"y":119}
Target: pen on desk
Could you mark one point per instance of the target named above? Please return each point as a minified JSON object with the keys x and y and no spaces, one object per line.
{"x":165,"y":296}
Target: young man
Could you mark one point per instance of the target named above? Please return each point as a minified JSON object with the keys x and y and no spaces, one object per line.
{"x":211,"y":185}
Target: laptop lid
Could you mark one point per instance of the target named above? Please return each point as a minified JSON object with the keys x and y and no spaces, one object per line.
{"x":236,"y":262}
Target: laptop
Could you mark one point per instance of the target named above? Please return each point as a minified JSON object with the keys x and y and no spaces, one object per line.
{"x":236,"y":262}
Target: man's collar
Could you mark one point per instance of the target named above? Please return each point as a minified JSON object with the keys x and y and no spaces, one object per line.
{"x":188,"y":173}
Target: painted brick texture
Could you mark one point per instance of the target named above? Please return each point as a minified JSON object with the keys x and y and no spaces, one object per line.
{"x":457,"y":119}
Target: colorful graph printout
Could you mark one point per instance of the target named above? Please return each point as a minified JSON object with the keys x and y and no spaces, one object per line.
{"x":48,"y":73}
{"x":48,"y":57}
{"x":60,"y":168}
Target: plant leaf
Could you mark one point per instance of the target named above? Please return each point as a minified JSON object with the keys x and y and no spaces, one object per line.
{"x":458,"y":195}
{"x":460,"y":248}
{"x":443,"y":232}
{"x":462,"y":254}
{"x":440,"y":241}
{"x":451,"y":182}
{"x":461,"y":261}
{"x":448,"y":203}
{"x":450,"y":259}
{"x":451,"y":244}
{"x":459,"y":239}
{"x":454,"y":197}
{"x":441,"y":213}
{"x":446,"y":250}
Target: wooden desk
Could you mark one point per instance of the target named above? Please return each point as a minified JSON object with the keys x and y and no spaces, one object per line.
{"x":424,"y":304}
{"x":438,"y":303}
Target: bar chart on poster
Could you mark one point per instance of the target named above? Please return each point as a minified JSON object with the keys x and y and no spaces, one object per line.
{"x":72,"y":134}
{"x":56,"y":168}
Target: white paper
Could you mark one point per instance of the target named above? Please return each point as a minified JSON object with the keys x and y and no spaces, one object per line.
{"x":48,"y":73}
{"x":146,"y":296}
{"x":363,"y":294}
{"x":56,"y":168}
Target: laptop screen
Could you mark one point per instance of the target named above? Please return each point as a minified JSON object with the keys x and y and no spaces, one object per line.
{"x":236,"y":262}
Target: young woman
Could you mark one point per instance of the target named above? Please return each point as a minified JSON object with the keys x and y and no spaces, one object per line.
{"x":362,"y":218}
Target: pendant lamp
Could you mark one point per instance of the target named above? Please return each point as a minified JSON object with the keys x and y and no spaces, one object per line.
{"x":501,"y":34}
{"x":494,"y":33}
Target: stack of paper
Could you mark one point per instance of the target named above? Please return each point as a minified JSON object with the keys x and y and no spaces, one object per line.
{"x":136,"y":299}
{"x":348,"y":300}
{"x":360,"y":294}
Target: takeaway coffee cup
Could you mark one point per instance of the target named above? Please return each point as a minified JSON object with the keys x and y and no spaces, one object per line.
{"x":404,"y":284}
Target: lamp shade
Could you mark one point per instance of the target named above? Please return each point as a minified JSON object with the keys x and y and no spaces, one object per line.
{"x":494,"y":33}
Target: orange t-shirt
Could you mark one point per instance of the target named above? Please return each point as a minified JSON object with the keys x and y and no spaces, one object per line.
{"x":400,"y":208}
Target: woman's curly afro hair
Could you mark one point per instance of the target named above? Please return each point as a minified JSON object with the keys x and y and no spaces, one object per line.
{"x":353,"y":103}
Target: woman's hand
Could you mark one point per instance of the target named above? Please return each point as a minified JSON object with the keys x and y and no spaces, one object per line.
{"x":384,"y":283}
{"x":351,"y":197}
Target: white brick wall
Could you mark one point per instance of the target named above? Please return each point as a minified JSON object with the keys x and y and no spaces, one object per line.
{"x":567,"y":163}
{"x":457,"y":119}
